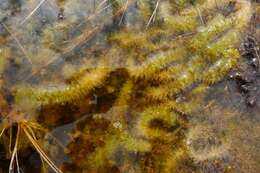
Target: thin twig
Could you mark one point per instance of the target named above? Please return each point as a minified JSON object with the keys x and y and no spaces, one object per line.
{"x":10,"y":139}
{"x":36,"y":126}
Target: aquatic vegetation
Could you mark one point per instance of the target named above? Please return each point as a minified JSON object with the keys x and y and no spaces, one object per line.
{"x":147,"y":77}
{"x":206,"y":143}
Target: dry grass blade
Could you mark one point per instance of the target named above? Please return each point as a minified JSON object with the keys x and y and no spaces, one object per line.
{"x":39,"y":150}
{"x":199,"y":14}
{"x":17,"y":162}
{"x":153,"y":15}
{"x":18,"y":42}
{"x":33,"y":11}
{"x":2,"y":132}
{"x":10,"y":139}
{"x":81,"y":39}
{"x":36,"y":126}
{"x":101,"y":3}
{"x":14,"y":152}
{"x":122,"y":17}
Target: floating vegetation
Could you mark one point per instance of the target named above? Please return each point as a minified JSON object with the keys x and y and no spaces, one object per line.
{"x":125,"y":78}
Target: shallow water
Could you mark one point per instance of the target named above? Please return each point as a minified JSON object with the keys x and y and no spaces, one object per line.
{"x":129,"y":86}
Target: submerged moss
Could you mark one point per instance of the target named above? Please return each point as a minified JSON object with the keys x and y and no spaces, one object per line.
{"x":131,"y":106}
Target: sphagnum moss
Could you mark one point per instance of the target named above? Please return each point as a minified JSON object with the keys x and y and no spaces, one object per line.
{"x":180,"y":55}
